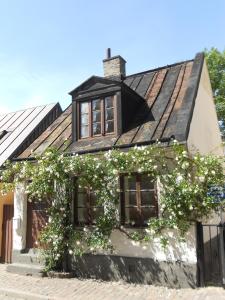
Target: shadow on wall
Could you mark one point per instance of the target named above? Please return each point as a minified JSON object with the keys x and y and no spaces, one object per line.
{"x":135,"y":270}
{"x":212,"y":255}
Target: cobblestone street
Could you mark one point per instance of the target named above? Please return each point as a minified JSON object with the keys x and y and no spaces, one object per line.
{"x":14,"y":286}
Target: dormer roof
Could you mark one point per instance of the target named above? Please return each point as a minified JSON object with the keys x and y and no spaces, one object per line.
{"x":167,"y":92}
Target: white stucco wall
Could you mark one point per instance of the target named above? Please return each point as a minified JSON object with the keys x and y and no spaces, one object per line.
{"x":204,"y":135}
{"x":175,"y":251}
{"x":20,"y":218}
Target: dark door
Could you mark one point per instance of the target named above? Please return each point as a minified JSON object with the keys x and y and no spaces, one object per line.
{"x":36,"y":221}
{"x":7,"y":233}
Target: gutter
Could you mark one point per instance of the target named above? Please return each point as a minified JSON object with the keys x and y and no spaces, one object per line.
{"x":124,"y":146}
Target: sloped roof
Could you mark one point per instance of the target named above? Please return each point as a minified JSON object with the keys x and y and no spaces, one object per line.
{"x":18,"y":129}
{"x":169,"y":92}
{"x":58,"y":134}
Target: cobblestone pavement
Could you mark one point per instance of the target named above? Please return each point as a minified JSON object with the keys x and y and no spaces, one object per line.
{"x":14,"y":286}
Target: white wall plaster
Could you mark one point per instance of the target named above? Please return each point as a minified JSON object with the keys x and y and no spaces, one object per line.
{"x":20,"y":217}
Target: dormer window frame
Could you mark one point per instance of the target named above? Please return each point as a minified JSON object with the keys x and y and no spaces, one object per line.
{"x":90,"y":117}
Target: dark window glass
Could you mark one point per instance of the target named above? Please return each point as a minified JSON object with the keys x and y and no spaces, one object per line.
{"x":96,"y":117}
{"x":138,"y":200}
{"x":87,"y":208}
{"x":108,"y":102}
{"x":109,"y":126}
{"x":109,"y":115}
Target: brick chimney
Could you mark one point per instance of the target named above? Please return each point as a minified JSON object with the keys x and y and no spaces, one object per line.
{"x":115,"y":66}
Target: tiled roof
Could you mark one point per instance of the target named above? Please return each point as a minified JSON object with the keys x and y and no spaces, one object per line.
{"x":170,"y":94}
{"x":18,"y":129}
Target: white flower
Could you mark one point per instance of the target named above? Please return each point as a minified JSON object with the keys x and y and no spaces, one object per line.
{"x":115,"y":171}
{"x":201,"y":178}
{"x":213,"y":172}
{"x":70,"y":252}
{"x":179,"y":179}
{"x":78,"y":242}
{"x":185,"y":165}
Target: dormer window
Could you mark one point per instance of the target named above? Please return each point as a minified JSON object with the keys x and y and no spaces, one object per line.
{"x":96,"y":117}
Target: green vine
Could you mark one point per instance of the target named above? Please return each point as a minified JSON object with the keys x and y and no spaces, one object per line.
{"x":183,"y":184}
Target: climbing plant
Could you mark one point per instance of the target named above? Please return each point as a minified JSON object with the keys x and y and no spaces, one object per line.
{"x":183,"y":182}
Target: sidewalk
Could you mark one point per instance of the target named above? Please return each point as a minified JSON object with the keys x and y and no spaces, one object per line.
{"x":14,"y":286}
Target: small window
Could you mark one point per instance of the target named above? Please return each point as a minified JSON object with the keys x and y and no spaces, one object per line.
{"x":138,"y":200}
{"x":87,"y":210}
{"x":109,"y":115}
{"x":96,"y":117}
{"x":84,"y":119}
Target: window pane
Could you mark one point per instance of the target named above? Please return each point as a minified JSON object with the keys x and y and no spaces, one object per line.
{"x":109,"y":126}
{"x":108,"y":102}
{"x":84,"y":107}
{"x":109,"y":114}
{"x":84,"y":131}
{"x":96,"y":128}
{"x":83,"y":215}
{"x":84,"y":119}
{"x":147,"y":213}
{"x":96,"y":104}
{"x":130,"y":183}
{"x":96,"y":115}
{"x":132,"y":216}
{"x":147,"y":183}
{"x":93,"y":199}
{"x":130,"y":199}
{"x":147,"y":198}
{"x":96,"y":212}
{"x":81,"y":199}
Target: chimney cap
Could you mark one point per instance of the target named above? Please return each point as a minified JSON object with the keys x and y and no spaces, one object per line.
{"x":108,"y":53}
{"x":114,"y":57}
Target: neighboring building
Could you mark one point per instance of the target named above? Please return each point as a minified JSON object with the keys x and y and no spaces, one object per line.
{"x":17,"y":131}
{"x":121,"y":111}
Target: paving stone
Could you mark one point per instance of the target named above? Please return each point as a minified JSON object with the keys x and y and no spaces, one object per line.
{"x":13,"y":286}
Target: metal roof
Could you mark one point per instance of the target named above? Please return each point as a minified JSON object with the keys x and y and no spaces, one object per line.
{"x":170,"y":94}
{"x":18,"y":129}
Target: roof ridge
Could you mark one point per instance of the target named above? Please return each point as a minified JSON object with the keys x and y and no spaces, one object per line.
{"x":33,"y":107}
{"x":160,"y":68}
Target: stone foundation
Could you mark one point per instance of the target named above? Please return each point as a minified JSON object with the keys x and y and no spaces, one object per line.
{"x":135,"y":270}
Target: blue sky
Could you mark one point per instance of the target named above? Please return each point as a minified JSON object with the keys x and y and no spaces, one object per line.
{"x":48,"y":47}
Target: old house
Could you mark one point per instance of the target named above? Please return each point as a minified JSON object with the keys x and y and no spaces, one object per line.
{"x":121,"y":111}
{"x":17,"y":131}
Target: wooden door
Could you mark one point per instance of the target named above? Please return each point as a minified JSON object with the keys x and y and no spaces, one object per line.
{"x":36,"y":221}
{"x":7,"y":233}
